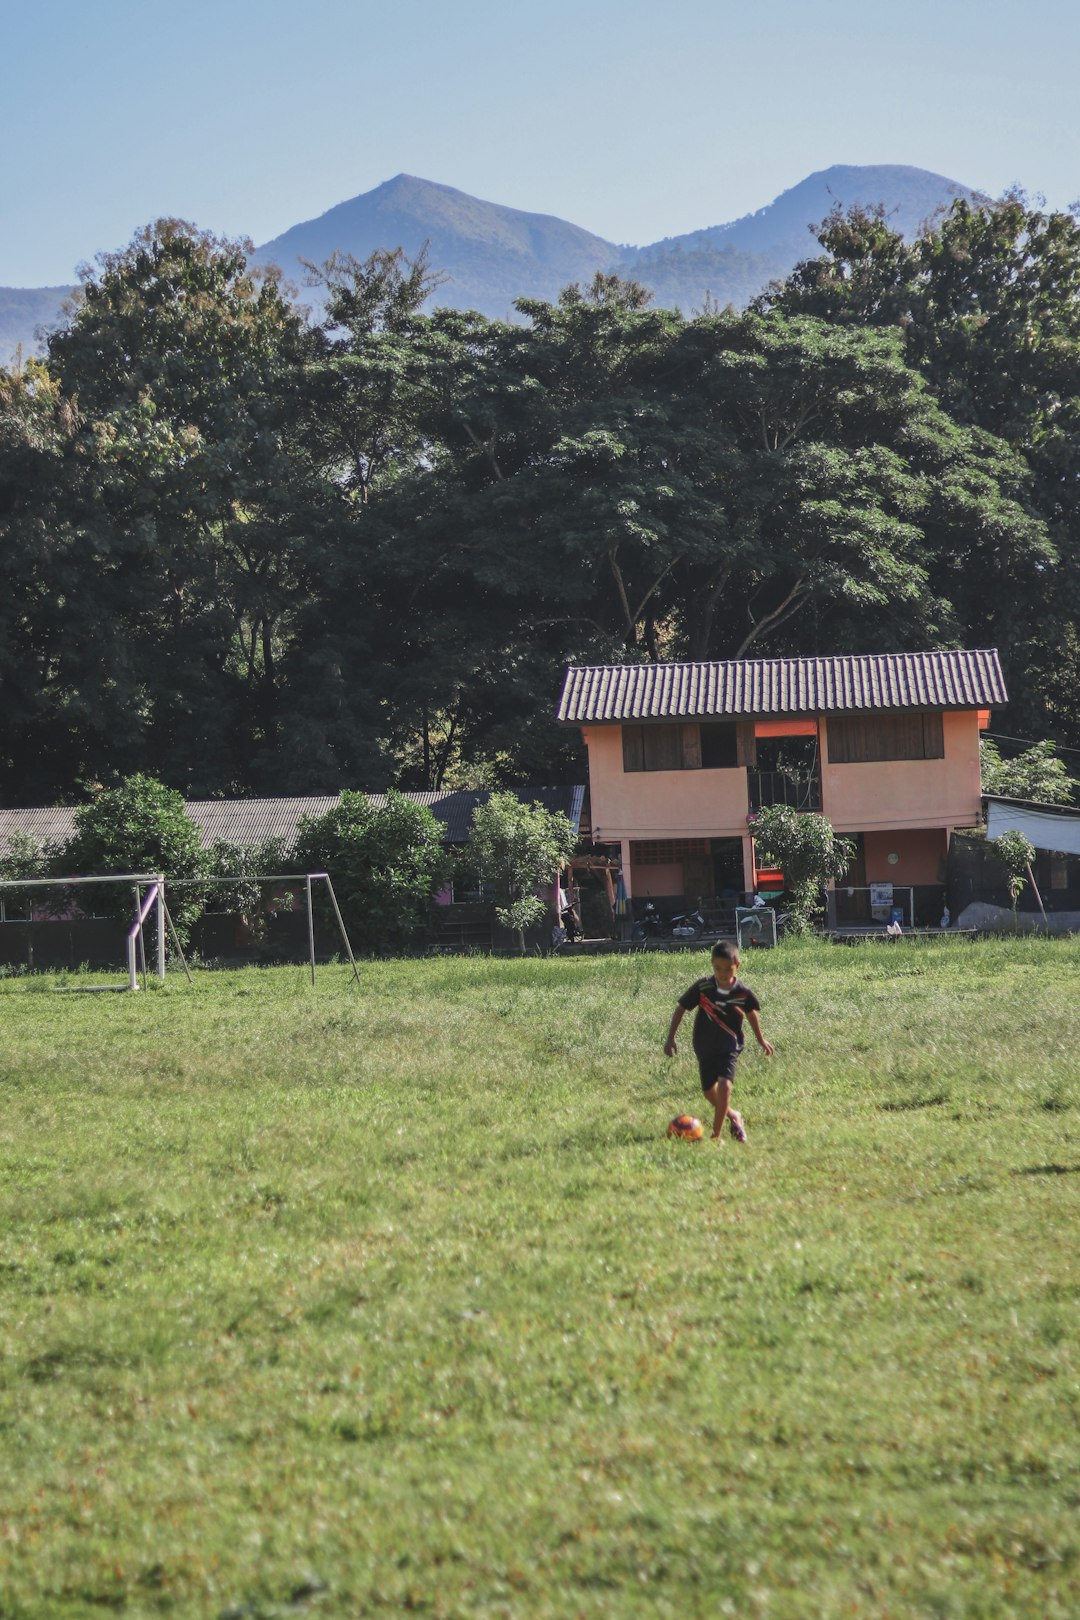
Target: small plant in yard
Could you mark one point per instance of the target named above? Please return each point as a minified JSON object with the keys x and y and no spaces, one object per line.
{"x":519,"y":848}
{"x":808,"y":851}
{"x":1015,"y":853}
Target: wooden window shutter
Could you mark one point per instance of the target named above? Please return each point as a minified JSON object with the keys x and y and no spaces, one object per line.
{"x":691,"y":747}
{"x":663,"y":748}
{"x":633,"y":749}
{"x":745,"y":743}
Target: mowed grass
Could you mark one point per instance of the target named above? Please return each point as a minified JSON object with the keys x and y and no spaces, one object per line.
{"x":398,"y":1300}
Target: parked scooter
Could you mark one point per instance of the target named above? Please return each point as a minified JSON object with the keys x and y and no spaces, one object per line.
{"x":686,"y":925}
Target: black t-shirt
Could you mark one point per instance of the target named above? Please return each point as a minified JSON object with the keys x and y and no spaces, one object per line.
{"x":720,"y":1013}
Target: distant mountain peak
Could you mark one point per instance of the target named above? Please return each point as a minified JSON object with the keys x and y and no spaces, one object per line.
{"x":492,"y":255}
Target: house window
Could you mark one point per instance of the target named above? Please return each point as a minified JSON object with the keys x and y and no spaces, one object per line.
{"x":667,"y":851}
{"x":686,"y":747}
{"x":860,"y":739}
{"x":719,"y":746}
{"x":652,"y":748}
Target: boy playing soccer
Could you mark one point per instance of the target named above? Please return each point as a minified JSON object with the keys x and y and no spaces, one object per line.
{"x":722,"y":1003}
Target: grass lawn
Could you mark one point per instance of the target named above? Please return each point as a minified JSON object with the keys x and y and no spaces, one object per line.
{"x":398,"y":1300}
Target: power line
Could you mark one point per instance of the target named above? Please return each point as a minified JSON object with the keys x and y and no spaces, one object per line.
{"x":999,"y":736}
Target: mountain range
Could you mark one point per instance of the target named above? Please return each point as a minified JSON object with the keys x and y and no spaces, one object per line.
{"x":489,"y":254}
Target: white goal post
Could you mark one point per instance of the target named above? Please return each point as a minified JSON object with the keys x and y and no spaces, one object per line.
{"x":154,"y":900}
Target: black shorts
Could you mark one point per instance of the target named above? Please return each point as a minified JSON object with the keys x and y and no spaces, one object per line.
{"x":718,"y":1064}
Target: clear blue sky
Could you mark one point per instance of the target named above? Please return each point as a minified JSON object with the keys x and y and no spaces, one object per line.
{"x":635,"y":120}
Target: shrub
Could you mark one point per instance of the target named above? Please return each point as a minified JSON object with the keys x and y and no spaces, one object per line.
{"x":805,"y":846}
{"x":516,"y":848}
{"x":140,"y":826}
{"x":1036,"y":774}
{"x":385,"y":864}
{"x":26,"y":858}
{"x":1016,"y":853}
{"x":242,"y":894}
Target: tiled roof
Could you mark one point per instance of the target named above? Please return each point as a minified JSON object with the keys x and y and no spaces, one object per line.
{"x":253,"y":821}
{"x":783,"y":686}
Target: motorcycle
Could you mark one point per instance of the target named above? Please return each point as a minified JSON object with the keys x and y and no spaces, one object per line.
{"x":684,"y":925}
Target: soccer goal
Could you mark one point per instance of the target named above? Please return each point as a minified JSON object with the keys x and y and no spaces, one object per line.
{"x":153,"y":901}
{"x":308,"y":879}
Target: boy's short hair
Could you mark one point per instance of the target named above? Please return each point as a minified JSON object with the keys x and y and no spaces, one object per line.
{"x":725,"y":951}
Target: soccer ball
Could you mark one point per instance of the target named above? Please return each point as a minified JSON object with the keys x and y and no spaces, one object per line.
{"x":686,"y":1127}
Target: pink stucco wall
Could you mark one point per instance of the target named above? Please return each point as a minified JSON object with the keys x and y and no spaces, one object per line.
{"x":657,"y":880}
{"x":920,"y":855}
{"x":856,"y":798}
{"x":908,"y":792}
{"x":659,"y":804}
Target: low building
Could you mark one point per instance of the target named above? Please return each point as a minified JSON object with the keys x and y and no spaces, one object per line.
{"x":256,"y":821}
{"x":1050,"y":898}
{"x":886,"y":746}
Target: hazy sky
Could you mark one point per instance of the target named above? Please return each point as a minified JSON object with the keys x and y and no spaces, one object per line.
{"x":637,"y":121}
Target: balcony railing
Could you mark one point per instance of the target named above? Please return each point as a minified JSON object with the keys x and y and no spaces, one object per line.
{"x":800,"y":789}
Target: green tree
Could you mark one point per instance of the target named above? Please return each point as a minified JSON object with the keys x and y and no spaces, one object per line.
{"x":140,"y":826}
{"x":987,"y":302}
{"x":237,"y":871}
{"x":807,"y":850}
{"x":44,"y":717}
{"x":24,"y":857}
{"x":1038,"y":773}
{"x":616,"y":481}
{"x":518,"y":848}
{"x":1016,"y":853}
{"x":204,"y":502}
{"x":386,"y":864}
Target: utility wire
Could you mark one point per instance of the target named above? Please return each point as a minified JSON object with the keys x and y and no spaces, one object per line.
{"x":1000,"y":736}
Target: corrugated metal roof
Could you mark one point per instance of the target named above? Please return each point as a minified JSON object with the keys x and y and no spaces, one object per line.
{"x":45,"y":824}
{"x":253,"y":821}
{"x":783,"y":686}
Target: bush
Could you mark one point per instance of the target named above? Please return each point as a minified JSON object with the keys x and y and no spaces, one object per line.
{"x":26,"y":858}
{"x":386,"y":866}
{"x":808,"y":851}
{"x":1036,"y":774}
{"x":141,"y":826}
{"x":243,"y":895}
{"x":1015,"y":853}
{"x":517,"y":848}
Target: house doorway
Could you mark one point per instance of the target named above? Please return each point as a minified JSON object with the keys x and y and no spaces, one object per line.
{"x":727,"y":869}
{"x":852,"y":895}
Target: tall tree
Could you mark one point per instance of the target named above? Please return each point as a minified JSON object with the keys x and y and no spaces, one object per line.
{"x":987,"y":303}
{"x":190,"y":372}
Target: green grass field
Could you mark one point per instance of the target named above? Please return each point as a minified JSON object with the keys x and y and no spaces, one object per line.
{"x":338,"y":1302}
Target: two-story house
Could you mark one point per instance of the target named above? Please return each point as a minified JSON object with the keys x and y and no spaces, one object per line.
{"x":885,"y":745}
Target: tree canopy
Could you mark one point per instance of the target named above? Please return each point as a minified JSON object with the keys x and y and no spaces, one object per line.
{"x":249,"y":552}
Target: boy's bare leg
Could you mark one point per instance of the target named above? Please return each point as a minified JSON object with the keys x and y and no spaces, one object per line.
{"x":719,"y":1094}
